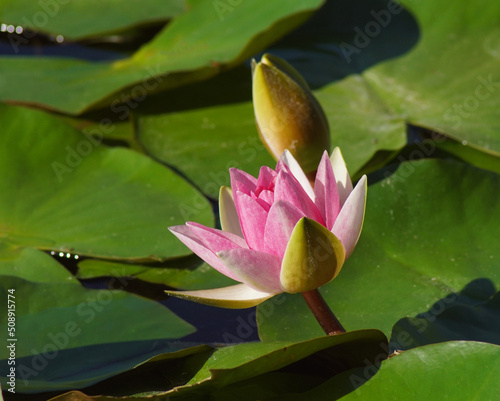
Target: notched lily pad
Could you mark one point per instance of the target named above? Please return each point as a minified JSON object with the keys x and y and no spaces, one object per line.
{"x":80,"y":338}
{"x":188,"y":50}
{"x":67,"y":192}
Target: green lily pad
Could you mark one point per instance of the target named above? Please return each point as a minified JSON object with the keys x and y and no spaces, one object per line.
{"x":455,"y":322}
{"x":119,"y":133}
{"x":432,"y":371}
{"x":160,"y":372}
{"x":23,"y":263}
{"x":226,"y":136}
{"x":248,"y":369}
{"x":53,"y":310}
{"x":257,"y":388}
{"x":219,"y":138}
{"x":430,"y":229}
{"x":67,"y":336}
{"x":71,"y":19}
{"x":194,"y":46}
{"x":429,"y":372}
{"x":366,"y":122}
{"x":360,"y":124}
{"x":381,"y":67}
{"x":66,"y":192}
{"x":235,"y":363}
{"x":421,"y":86}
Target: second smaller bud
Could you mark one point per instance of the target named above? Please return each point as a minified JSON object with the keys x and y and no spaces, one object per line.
{"x":287,"y":114}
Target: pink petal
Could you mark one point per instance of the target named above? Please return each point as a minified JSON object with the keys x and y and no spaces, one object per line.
{"x":238,"y":296}
{"x":281,"y":220}
{"x":344,"y":183}
{"x":288,"y":189}
{"x":349,"y":222}
{"x":215,"y":239}
{"x":326,"y":192}
{"x":252,"y":219}
{"x":242,"y":182}
{"x":266,"y":199}
{"x":258,"y":270}
{"x":193,"y":242}
{"x":281,"y":165}
{"x":265,"y":180}
{"x":297,"y":172}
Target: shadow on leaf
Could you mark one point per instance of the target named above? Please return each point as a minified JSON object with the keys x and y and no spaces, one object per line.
{"x":471,"y":315}
{"x":347,"y":37}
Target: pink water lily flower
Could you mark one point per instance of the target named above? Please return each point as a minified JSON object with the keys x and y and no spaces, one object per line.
{"x":279,"y":233}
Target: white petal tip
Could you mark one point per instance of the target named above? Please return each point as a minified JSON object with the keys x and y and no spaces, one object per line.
{"x":238,"y":296}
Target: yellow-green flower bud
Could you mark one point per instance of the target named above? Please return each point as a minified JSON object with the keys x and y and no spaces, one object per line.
{"x":287,"y":114}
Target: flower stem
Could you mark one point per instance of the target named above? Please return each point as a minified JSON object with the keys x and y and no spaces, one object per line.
{"x":322,"y":312}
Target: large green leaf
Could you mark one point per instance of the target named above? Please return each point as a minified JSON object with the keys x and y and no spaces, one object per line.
{"x":194,"y":46}
{"x":65,"y":192}
{"x":454,"y":370}
{"x":321,"y":357}
{"x":360,"y":123}
{"x":367,"y":118}
{"x":23,"y":263}
{"x":240,"y":362}
{"x":450,"y":87}
{"x":381,"y":67}
{"x":67,"y":336}
{"x":225,"y":136}
{"x":409,"y":376}
{"x":455,"y":322}
{"x":71,"y":19}
{"x":430,"y":230}
{"x":219,"y":138}
{"x":256,"y":388}
{"x":101,"y":366}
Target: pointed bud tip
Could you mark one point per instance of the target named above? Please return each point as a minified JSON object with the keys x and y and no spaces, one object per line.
{"x":287,"y":114}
